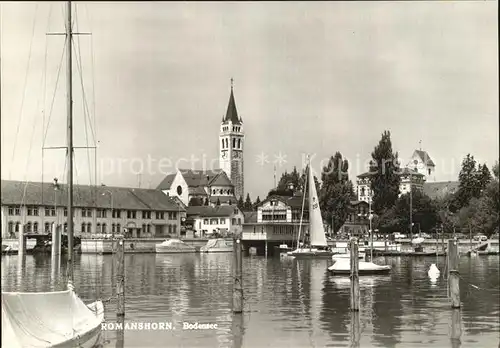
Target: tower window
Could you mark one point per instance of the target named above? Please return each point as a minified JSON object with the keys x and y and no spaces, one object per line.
{"x":234,"y":143}
{"x":239,"y":143}
{"x":429,"y":171}
{"x":227,"y":145}
{"x":179,"y":190}
{"x":222,"y":143}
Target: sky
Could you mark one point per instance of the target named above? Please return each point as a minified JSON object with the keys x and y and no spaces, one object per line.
{"x":309,"y":78}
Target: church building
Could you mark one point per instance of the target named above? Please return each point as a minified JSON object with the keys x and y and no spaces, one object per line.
{"x":223,"y":186}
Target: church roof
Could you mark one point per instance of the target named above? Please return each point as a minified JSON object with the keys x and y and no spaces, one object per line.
{"x":231,"y":113}
{"x":197,"y":178}
{"x":424,"y":156}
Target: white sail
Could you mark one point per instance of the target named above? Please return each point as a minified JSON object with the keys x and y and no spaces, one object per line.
{"x":316,"y":228}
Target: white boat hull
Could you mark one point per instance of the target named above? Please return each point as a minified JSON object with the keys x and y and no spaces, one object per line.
{"x":310,"y":253}
{"x":217,"y":250}
{"x":161,"y":250}
{"x":335,"y":257}
{"x":343,"y":267}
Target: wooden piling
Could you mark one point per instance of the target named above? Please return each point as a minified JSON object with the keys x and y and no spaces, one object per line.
{"x":453,"y":274}
{"x":237,"y":275}
{"x":456,"y":328}
{"x":120,"y":277}
{"x":55,"y":248}
{"x":355,"y":330}
{"x":237,"y":330}
{"x":21,"y":242}
{"x":120,"y":332}
{"x":354,"y":275}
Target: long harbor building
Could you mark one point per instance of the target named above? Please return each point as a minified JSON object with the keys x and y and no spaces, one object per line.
{"x":99,"y":210}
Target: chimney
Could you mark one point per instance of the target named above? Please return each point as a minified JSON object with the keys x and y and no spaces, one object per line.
{"x":56,"y":186}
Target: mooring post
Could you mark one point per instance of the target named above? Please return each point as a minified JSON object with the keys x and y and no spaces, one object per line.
{"x":354,"y":275}
{"x":21,"y":248}
{"x":55,"y":248}
{"x":237,"y":275}
{"x":265,"y":248}
{"x":385,"y":244}
{"x":120,"y":277}
{"x":355,"y":330}
{"x":456,"y":328}
{"x":120,"y":332}
{"x":453,"y":274}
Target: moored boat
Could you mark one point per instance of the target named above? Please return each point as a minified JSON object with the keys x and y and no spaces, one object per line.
{"x":347,"y":256}
{"x":218,"y":245}
{"x":174,"y":246}
{"x":343,"y":267}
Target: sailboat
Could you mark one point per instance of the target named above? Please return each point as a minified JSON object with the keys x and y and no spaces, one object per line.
{"x":318,"y":246}
{"x":58,"y":318}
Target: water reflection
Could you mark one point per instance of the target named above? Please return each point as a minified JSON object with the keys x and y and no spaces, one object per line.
{"x":288,"y":303}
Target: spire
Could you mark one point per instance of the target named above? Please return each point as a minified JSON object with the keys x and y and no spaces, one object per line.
{"x":231,"y":113}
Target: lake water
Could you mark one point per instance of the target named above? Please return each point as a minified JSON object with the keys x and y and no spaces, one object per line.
{"x":288,"y":303}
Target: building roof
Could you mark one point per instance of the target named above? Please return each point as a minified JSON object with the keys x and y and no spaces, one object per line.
{"x":353,"y":203}
{"x":292,"y":201}
{"x":408,"y":171}
{"x":84,"y":196}
{"x":440,"y":189}
{"x":166,"y":182}
{"x":208,"y":211}
{"x":195,"y":178}
{"x":424,"y":156}
{"x":250,"y":216}
{"x":197,"y":190}
{"x":404,"y":171}
{"x":231,"y":113}
{"x":223,"y":199}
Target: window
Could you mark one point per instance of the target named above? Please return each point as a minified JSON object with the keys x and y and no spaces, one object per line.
{"x":169,"y":228}
{"x":148,"y":227}
{"x":205,"y":221}
{"x":17,"y":211}
{"x":179,"y":190}
{"x":239,"y":143}
{"x":143,"y":227}
{"x":11,"y":211}
{"x":103,"y":228}
{"x":160,"y":215}
{"x":239,"y":221}
{"x":28,"y":227}
{"x":222,"y":143}
{"x":47,"y":227}
{"x":172,"y":215}
{"x":98,"y":229}
{"x":233,"y":221}
{"x":234,"y":143}
{"x":118,"y":228}
{"x":35,"y":227}
{"x":17,"y":226}
{"x":89,"y":227}
{"x":116,"y":214}
{"x":175,"y":229}
{"x":32,"y":211}
{"x":11,"y":226}
{"x":83,"y":225}
{"x":86,"y":212}
{"x":146,"y":214}
{"x":65,"y":211}
{"x":429,"y":171}
{"x":65,"y":227}
{"x":222,"y":221}
{"x":131,"y":214}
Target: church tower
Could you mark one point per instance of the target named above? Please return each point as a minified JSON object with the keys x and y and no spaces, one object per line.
{"x":231,"y":144}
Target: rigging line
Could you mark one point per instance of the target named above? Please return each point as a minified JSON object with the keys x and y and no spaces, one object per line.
{"x":44,"y":94}
{"x":93,"y":95}
{"x":54,"y":95}
{"x":24,"y":91}
{"x":84,"y":104}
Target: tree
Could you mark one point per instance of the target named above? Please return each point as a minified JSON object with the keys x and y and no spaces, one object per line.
{"x":485,"y":211}
{"x":384,"y":175}
{"x":496,"y":171}
{"x":484,"y":176}
{"x":241,"y":204}
{"x":288,"y":180}
{"x":218,"y":201}
{"x":248,"y":203}
{"x":469,"y":182}
{"x":424,"y":211}
{"x":335,"y":192}
{"x":195,"y":201}
{"x":206,"y":201}
{"x":257,"y":201}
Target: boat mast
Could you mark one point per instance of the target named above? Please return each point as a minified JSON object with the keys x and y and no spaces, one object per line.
{"x":303,"y":203}
{"x":69,"y":151}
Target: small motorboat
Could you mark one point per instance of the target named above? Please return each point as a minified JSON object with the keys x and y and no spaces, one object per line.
{"x":343,"y":267}
{"x":217,"y":246}
{"x":284,"y":248}
{"x":311,"y":253}
{"x":174,"y":246}
{"x":347,"y":256}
